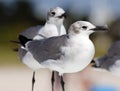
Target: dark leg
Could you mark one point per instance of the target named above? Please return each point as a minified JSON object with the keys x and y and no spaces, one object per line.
{"x":62,"y":84}
{"x":33,"y":80}
{"x":52,"y":81}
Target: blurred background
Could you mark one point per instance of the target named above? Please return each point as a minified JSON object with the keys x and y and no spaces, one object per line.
{"x":18,"y":15}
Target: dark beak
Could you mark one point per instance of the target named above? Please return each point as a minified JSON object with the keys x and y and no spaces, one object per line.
{"x":100,"y":28}
{"x":63,"y":15}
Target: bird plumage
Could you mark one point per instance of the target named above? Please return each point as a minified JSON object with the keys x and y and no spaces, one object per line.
{"x":65,"y":54}
{"x":53,"y":27}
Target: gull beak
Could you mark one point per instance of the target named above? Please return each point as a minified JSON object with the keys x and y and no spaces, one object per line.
{"x":63,"y":15}
{"x":100,"y":28}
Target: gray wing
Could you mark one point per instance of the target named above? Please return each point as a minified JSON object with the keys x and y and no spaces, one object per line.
{"x":31,"y":32}
{"x":47,"y":48}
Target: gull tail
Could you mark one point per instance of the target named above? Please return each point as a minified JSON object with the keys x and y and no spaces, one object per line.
{"x":15,"y":42}
{"x":23,"y":40}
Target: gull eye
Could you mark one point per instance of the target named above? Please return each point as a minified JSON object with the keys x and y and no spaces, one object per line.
{"x":84,"y":27}
{"x":53,"y":13}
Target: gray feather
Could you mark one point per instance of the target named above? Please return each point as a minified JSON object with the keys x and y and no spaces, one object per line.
{"x":111,"y":57}
{"x":47,"y":48}
{"x":31,"y":32}
{"x":114,"y":50}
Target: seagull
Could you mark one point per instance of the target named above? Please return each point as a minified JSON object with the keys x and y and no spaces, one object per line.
{"x":54,"y":24}
{"x":68,"y":53}
{"x":111,"y":60}
{"x":53,"y":27}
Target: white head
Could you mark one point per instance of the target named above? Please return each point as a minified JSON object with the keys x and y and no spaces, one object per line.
{"x":56,"y":15}
{"x":84,"y":27}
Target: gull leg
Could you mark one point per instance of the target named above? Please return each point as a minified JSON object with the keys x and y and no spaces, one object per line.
{"x":52,"y":81}
{"x":62,"y":84}
{"x":33,"y":80}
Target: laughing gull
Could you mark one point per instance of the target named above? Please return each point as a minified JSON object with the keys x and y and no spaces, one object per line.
{"x":65,"y":54}
{"x":53,"y":27}
{"x":111,"y":60}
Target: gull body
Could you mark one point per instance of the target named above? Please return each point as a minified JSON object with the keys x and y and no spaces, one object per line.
{"x":67,"y":53}
{"x":77,"y":55}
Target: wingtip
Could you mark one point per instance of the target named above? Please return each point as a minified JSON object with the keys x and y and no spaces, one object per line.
{"x":14,"y":41}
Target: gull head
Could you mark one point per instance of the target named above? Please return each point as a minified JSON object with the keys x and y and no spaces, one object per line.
{"x":84,"y":27}
{"x":56,"y":15}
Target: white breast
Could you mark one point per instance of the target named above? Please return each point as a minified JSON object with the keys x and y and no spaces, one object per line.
{"x":62,"y":30}
{"x":50,"y":30}
{"x":79,"y":56}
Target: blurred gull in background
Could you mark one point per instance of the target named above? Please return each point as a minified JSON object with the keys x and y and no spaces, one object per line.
{"x":111,"y":60}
